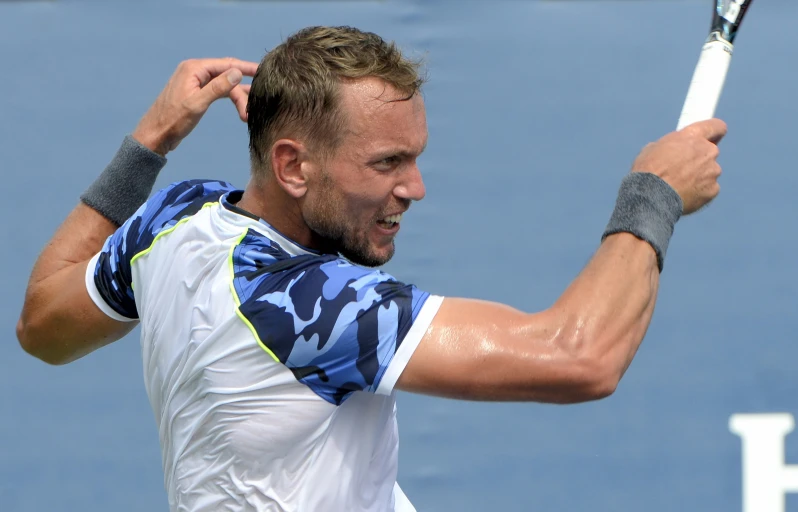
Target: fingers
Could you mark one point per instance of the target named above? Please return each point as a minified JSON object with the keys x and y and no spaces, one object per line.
{"x":191,"y":90}
{"x":219,"y":78}
{"x":219,"y":87}
{"x":218,"y":66}
{"x":712,"y":130}
{"x":206,"y":69}
{"x":216,"y":78}
{"x":239,"y":96}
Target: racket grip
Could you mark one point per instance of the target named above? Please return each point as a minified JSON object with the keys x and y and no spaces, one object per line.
{"x":707,"y":83}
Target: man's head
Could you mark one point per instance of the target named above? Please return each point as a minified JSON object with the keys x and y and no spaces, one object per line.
{"x":336,"y":119}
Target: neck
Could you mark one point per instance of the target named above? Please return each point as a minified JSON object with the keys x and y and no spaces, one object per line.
{"x":269,"y":201}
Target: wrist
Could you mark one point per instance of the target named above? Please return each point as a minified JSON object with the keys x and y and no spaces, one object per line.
{"x":648,"y":208}
{"x":152,"y":141}
{"x":126,"y":182}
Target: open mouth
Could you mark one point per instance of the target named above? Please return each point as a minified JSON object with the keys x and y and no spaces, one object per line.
{"x":390,"y":221}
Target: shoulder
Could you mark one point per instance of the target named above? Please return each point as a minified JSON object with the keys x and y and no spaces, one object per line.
{"x":334,"y":324}
{"x":264,"y":273}
{"x":109,"y":275}
{"x":181,"y":199}
{"x":169,"y":206}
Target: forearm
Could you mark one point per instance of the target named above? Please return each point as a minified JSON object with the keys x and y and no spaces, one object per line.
{"x":608,"y":307}
{"x":59,"y":322}
{"x":116,"y":194}
{"x":578,"y":349}
{"x":61,"y":327}
{"x":78,"y":238}
{"x":42,"y":328}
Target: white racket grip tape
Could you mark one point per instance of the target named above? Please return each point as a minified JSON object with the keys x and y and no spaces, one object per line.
{"x":707,"y":84}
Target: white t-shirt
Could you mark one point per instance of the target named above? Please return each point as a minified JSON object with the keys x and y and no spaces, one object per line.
{"x":270,"y":368}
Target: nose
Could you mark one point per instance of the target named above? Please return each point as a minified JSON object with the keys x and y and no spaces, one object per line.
{"x":412,"y":185}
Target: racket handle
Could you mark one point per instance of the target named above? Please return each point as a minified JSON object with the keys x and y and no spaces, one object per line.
{"x":707,"y":84}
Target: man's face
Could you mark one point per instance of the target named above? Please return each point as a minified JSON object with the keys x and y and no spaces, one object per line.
{"x":356,"y":199}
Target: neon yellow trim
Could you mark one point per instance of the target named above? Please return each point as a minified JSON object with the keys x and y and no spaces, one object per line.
{"x":232,"y":270}
{"x":164,"y":233}
{"x":238,"y":300}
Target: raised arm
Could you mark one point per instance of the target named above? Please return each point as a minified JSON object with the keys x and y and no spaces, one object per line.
{"x":579,"y":348}
{"x":59,"y":322}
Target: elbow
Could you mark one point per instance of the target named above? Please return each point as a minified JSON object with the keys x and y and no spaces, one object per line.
{"x":592,"y":375}
{"x":37,"y":345}
{"x":590,"y":380}
{"x":601,"y":383}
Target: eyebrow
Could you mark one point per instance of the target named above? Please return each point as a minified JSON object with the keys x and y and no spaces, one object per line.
{"x":404,"y":153}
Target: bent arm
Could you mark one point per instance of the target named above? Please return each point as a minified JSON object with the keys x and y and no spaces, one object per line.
{"x":575,"y":351}
{"x":59,"y":321}
{"x":579,"y":348}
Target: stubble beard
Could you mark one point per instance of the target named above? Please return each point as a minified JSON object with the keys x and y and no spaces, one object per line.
{"x":327,"y":219}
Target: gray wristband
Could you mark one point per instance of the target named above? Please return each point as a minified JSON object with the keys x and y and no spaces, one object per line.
{"x":648,"y":208}
{"x":126,"y":183}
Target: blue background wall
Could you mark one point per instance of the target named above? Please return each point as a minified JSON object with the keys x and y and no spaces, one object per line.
{"x":536,"y":110}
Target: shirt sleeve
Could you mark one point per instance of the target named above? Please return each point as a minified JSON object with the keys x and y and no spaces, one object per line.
{"x":338,"y":327}
{"x":109,"y":278}
{"x":108,"y":275}
{"x":409,"y":344}
{"x":110,"y":295}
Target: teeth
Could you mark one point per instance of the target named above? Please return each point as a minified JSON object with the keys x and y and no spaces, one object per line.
{"x":392,"y":219}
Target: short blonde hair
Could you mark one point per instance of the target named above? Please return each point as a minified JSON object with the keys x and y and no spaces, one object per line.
{"x":295,"y":90}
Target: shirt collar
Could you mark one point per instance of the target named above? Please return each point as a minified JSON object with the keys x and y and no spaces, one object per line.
{"x":241,"y":217}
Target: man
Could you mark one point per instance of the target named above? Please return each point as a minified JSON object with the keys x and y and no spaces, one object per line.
{"x":271,"y":350}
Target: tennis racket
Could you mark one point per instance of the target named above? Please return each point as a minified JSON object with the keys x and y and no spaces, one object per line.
{"x":713,"y":64}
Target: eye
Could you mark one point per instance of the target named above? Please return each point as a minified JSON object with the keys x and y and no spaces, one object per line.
{"x":389,"y":163}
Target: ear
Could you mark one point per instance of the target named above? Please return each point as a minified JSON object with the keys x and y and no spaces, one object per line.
{"x":290,"y":162}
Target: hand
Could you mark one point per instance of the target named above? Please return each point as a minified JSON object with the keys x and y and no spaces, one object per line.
{"x":188,"y":95}
{"x":687,"y":161}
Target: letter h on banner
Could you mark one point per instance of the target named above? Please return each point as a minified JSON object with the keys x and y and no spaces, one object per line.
{"x":766,"y":478}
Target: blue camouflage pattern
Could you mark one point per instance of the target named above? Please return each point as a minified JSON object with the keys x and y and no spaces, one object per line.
{"x":335,"y":325}
{"x":164,"y":209}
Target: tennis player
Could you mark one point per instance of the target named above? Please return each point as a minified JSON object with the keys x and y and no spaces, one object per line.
{"x":272,"y":348}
